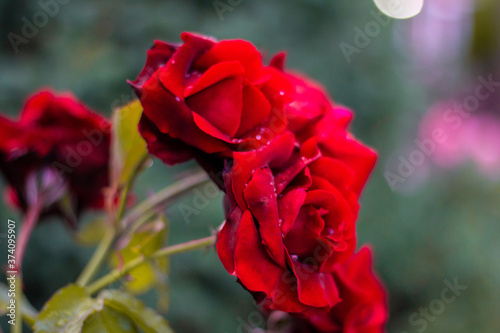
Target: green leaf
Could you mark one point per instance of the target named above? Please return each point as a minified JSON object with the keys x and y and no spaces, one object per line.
{"x":91,"y":232}
{"x":72,"y":310}
{"x":145,"y":241}
{"x":109,"y":320}
{"x":128,"y":147}
{"x":147,"y":319}
{"x":66,"y":311}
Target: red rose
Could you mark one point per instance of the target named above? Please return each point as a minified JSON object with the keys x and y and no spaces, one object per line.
{"x":208,"y":97}
{"x":363,"y":308}
{"x":58,"y":144}
{"x":293,"y":204}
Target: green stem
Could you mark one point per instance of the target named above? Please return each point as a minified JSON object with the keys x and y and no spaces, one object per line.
{"x":97,"y":259}
{"x":141,"y":214}
{"x":144,"y":211}
{"x":118,"y":273}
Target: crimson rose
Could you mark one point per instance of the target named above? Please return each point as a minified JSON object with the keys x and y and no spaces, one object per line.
{"x":208,"y":97}
{"x":58,"y":146}
{"x":292,"y":206}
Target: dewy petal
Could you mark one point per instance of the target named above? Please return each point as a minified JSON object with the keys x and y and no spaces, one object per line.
{"x":276,"y":153}
{"x":261,"y":199}
{"x":234,"y":50}
{"x":214,"y":74}
{"x":171,"y":116}
{"x":360,"y":159}
{"x":170,"y":151}
{"x":258,"y":273}
{"x":289,"y":205}
{"x":157,"y":56}
{"x":335,"y":171}
{"x":221,"y":105}
{"x":256,"y":108}
{"x":253,"y":266}
{"x":315,"y":289}
{"x":226,"y":239}
{"x":309,"y":152}
{"x":304,"y":236}
{"x":310,"y":104}
{"x":173,"y":75}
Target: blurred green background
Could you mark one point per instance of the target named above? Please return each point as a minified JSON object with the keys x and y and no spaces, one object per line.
{"x":439,"y":224}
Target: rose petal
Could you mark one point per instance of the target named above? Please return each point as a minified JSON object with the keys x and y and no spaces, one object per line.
{"x":221,"y":105}
{"x":315,"y":289}
{"x":258,"y":273}
{"x":226,"y":239}
{"x":261,"y":199}
{"x":173,"y":75}
{"x":170,"y":151}
{"x":234,"y":50}
{"x":256,"y":109}
{"x":171,"y":116}
{"x":277,"y":152}
{"x":289,"y":207}
{"x":213,"y":75}
{"x":157,"y":56}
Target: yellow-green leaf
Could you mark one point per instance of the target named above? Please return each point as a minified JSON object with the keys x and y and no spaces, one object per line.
{"x":128,"y":147}
{"x":147,"y":319}
{"x":66,"y":311}
{"x":109,"y":320}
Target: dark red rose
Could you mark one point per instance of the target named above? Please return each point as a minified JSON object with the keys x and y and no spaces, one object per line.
{"x":362,"y":309}
{"x":58,"y":145}
{"x":208,"y":97}
{"x":292,"y":219}
{"x":292,"y":204}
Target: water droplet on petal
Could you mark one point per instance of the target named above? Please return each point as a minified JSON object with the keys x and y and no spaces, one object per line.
{"x":282,"y":93}
{"x":258,"y":137}
{"x":177,"y":99}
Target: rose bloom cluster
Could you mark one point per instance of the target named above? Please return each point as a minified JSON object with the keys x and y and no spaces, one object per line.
{"x":292,"y":174}
{"x":56,"y":155}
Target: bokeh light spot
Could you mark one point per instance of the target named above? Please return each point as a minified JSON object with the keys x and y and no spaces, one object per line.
{"x":400,"y":9}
